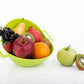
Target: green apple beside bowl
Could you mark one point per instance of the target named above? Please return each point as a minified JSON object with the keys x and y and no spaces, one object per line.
{"x":66,"y":56}
{"x":22,"y":61}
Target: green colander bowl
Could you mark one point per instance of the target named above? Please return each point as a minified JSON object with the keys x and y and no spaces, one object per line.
{"x":22,"y":61}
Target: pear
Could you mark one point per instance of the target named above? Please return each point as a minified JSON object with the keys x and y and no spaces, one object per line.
{"x":20,"y":28}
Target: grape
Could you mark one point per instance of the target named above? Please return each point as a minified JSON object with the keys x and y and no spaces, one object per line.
{"x":17,"y":35}
{"x":8,"y":34}
{"x":6,"y":38}
{"x":1,"y":32}
{"x":12,"y":37}
{"x":11,"y":41}
{"x":10,"y":31}
{"x":5,"y":31}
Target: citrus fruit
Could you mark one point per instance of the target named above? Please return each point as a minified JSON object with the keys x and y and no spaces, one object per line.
{"x":41,"y":50}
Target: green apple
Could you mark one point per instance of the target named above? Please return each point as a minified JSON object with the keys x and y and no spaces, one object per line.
{"x":66,"y":56}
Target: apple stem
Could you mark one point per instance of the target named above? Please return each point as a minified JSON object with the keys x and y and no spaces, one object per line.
{"x":67,"y":47}
{"x":23,"y":41}
{"x":22,"y":19}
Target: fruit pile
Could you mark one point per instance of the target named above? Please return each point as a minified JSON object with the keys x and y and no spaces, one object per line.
{"x":23,"y":44}
{"x":30,"y":45}
{"x":67,"y":56}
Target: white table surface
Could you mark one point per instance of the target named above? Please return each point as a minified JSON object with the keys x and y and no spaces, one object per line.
{"x":64,"y":20}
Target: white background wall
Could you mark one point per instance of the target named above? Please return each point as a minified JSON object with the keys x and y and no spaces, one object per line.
{"x":64,"y":20}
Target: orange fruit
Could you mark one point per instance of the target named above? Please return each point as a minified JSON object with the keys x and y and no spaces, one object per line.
{"x":41,"y":50}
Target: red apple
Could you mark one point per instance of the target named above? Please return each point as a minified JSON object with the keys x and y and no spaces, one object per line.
{"x":23,"y":47}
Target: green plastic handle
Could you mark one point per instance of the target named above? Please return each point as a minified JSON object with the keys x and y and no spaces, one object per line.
{"x":3,"y":53}
{"x":48,"y":35}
